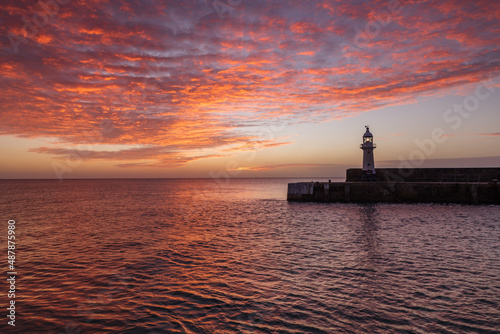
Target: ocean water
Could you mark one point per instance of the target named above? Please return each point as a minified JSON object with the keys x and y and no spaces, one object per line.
{"x":197,"y":256}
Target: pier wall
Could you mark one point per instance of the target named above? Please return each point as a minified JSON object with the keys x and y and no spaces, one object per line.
{"x":395,"y":192}
{"x":428,"y":174}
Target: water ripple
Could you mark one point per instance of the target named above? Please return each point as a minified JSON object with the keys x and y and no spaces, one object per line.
{"x":150,"y":256}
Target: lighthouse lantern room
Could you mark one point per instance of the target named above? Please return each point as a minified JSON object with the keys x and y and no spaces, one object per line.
{"x":368,"y":162}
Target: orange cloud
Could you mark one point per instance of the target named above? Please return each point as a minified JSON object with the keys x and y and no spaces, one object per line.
{"x":269,"y":167}
{"x":179,"y":81}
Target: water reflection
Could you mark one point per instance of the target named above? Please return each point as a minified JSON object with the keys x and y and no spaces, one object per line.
{"x":368,"y":233}
{"x":149,"y":256}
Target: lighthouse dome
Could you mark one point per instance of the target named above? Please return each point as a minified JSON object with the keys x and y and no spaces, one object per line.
{"x":367,"y":133}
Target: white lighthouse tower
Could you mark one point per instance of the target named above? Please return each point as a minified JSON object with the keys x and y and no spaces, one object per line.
{"x":368,"y":162}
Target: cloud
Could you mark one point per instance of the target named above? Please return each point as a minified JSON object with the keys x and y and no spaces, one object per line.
{"x":491,"y":135}
{"x":487,"y":161}
{"x":269,"y":167}
{"x":177,"y":74}
{"x":153,"y":156}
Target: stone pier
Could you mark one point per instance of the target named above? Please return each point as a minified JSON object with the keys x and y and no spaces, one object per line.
{"x":433,"y":185}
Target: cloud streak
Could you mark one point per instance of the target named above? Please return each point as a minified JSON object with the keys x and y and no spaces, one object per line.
{"x":279,"y":166}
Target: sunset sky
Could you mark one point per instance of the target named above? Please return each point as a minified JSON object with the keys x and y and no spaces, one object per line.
{"x":202,"y":88}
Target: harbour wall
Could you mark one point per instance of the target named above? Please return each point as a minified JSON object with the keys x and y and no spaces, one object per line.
{"x":428,"y":174}
{"x":395,"y":192}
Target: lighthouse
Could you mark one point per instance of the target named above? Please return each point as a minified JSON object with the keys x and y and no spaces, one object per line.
{"x":368,"y":162}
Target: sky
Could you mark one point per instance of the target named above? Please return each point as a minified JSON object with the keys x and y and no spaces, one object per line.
{"x":238,"y":88}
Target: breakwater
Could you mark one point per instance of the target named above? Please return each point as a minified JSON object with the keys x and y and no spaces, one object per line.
{"x":428,"y":174}
{"x":432,"y":185}
{"x":395,"y":192}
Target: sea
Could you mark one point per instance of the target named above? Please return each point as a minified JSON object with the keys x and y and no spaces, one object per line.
{"x":233,"y":256}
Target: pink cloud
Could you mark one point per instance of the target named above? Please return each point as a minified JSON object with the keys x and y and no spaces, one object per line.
{"x":270,"y":167}
{"x":176,"y":75}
